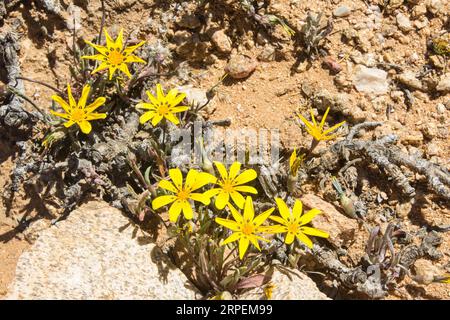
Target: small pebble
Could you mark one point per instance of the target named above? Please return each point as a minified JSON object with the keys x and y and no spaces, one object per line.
{"x":342,"y":11}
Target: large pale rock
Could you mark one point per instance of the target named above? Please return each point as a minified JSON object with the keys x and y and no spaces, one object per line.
{"x":371,"y":80}
{"x":290,"y":284}
{"x":340,"y":228}
{"x":94,"y":255}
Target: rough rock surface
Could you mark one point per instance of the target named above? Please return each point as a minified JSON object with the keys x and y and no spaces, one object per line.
{"x":340,"y":228}
{"x":93,"y":255}
{"x":287,"y":285}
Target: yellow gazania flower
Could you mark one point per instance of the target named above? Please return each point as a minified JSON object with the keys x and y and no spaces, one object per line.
{"x":79,"y":113}
{"x":293,"y":223}
{"x":245,"y":228}
{"x":162,"y":106}
{"x":231,"y":184}
{"x":295,"y":162}
{"x":182,"y":193}
{"x":114,"y":56}
{"x":316,"y":131}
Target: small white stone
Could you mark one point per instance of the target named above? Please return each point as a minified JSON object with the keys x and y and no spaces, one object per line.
{"x":403,"y":22}
{"x":371,"y":80}
{"x":342,"y":11}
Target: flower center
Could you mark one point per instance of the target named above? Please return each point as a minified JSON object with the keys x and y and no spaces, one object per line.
{"x":163,"y":108}
{"x":293,"y":227}
{"x":183,"y":195}
{"x":78,"y":115}
{"x":115,"y":57}
{"x":227,"y":186}
{"x":247,"y":228}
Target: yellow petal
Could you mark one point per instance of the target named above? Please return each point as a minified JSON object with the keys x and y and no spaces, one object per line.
{"x":101,"y":67}
{"x":307,"y":217}
{"x":300,"y":236}
{"x":278,"y":219}
{"x":283,"y":209}
{"x":161,"y":201}
{"x":190,"y":179}
{"x":61,"y":115}
{"x":222,"y":200}
{"x":72,"y":101}
{"x":323,"y":118}
{"x":100,"y":57}
{"x":203,"y":179}
{"x":313,"y":118}
{"x":238,"y":199}
{"x":152,"y":98}
{"x":159,"y":93}
{"x":130,"y":49}
{"x":84,"y":96}
{"x":69,"y":123}
{"x":131,"y":59}
{"x":246,"y":176}
{"x":103,"y":50}
{"x":147,"y":116}
{"x":236,"y":215}
{"x":109,"y":40}
{"x":314,"y":232}
{"x":200,"y":197}
{"x":187,"y":209}
{"x":297,"y":210}
{"x":243,"y":246}
{"x":254,"y":241}
{"x":249,"y":211}
{"x":156,"y":119}
{"x":234,"y":236}
{"x":289,"y":238}
{"x":259,"y":220}
{"x":175,"y":210}
{"x":144,"y":105}
{"x":176,"y":100}
{"x":96,"y":104}
{"x":292,"y":158}
{"x":177,"y":178}
{"x":172,"y":118}
{"x":306,"y":122}
{"x":246,"y":189}
{"x":333,"y":128}
{"x":119,"y":40}
{"x":61,"y":102}
{"x":212,"y":192}
{"x":222,"y":170}
{"x":167,"y":185}
{"x":85,"y":127}
{"x":124,"y":68}
{"x":230,"y":224}
{"x":178,"y":109}
{"x":96,"y":116}
{"x":234,"y":169}
{"x":112,"y":70}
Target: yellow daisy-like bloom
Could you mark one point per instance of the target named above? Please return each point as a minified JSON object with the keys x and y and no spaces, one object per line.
{"x":245,"y":228}
{"x":295,"y":162}
{"x":316,"y":131}
{"x":162,"y":106}
{"x":293,"y":223}
{"x":114,"y":56}
{"x":79,"y":113}
{"x":231,"y":184}
{"x":183,"y":193}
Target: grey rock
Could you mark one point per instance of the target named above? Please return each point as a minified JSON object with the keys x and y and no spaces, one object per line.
{"x":443,"y":85}
{"x":94,"y":255}
{"x":371,"y":80}
{"x":403,"y":22}
{"x":290,"y":284}
{"x":342,"y":11}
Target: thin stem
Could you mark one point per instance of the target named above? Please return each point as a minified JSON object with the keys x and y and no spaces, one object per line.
{"x":23,"y":96}
{"x":42,"y":83}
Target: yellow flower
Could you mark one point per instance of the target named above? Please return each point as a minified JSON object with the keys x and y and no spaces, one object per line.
{"x":245,"y":228}
{"x":162,"y":106}
{"x":114,"y":56}
{"x":316,"y":131}
{"x":182,"y":193}
{"x":231,"y":184}
{"x":293,"y":223}
{"x":79,"y":113}
{"x":445,"y":278}
{"x":295,"y":162}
